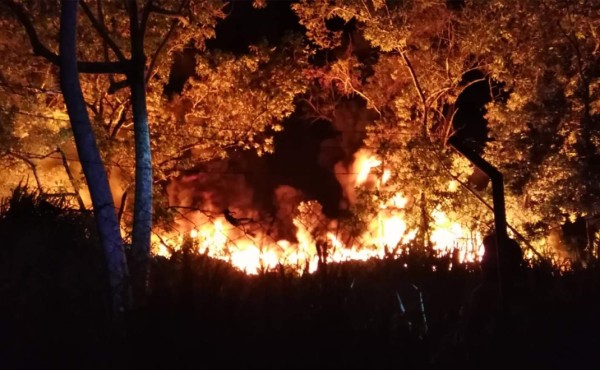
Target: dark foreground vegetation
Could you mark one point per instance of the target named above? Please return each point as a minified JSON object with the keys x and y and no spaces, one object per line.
{"x":202,"y":314}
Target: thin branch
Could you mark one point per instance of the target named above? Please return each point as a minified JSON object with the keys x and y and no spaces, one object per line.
{"x":39,"y":49}
{"x":28,"y":88}
{"x":436,"y":95}
{"x":164,"y":242}
{"x":145,"y":16}
{"x":164,"y":41}
{"x":115,"y":116}
{"x":483,"y":79}
{"x":31,"y":165}
{"x":117,"y":85}
{"x":420,"y":92}
{"x":449,"y":126}
{"x":158,"y":50}
{"x":92,"y":107}
{"x":123,"y":204}
{"x":207,"y":213}
{"x":348,"y":86}
{"x":415,"y":80}
{"x":74,"y":182}
{"x":103,"y":32}
{"x":111,"y":78}
{"x":118,"y":126}
{"x":170,"y":13}
{"x":318,"y":115}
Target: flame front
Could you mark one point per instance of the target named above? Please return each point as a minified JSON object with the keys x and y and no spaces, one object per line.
{"x":251,"y":249}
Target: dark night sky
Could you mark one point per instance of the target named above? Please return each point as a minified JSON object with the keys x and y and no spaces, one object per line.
{"x":246,"y":25}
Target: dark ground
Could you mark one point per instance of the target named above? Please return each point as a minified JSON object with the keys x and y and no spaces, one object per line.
{"x":203,"y":314}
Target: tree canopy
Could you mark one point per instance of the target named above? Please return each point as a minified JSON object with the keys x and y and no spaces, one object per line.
{"x":254,"y":90}
{"x":404,"y":69}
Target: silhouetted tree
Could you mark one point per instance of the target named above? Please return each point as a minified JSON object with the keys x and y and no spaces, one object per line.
{"x":93,"y":168}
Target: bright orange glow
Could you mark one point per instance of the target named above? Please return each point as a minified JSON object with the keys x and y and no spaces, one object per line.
{"x":448,"y":235}
{"x":453,"y":186}
{"x":387,"y":174}
{"x":251,"y":249}
{"x":364,"y":164}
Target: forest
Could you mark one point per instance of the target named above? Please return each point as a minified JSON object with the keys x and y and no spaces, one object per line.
{"x":299,"y":184}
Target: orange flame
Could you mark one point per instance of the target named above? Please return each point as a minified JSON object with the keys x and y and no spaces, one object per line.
{"x":252,"y":250}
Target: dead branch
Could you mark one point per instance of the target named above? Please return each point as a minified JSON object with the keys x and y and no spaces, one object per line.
{"x":72,"y":179}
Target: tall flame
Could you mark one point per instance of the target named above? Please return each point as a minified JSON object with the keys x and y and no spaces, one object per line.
{"x":251,"y":249}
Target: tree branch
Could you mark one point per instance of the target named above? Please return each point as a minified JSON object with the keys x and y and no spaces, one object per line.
{"x":31,"y":165}
{"x":145,"y":16}
{"x":117,"y":85}
{"x":39,"y":49}
{"x":101,"y":18}
{"x":74,"y":182}
{"x":415,"y":80}
{"x":420,"y":92}
{"x":120,"y":122}
{"x":170,"y":13}
{"x":123,"y":204}
{"x":164,"y":41}
{"x":103,"y":32}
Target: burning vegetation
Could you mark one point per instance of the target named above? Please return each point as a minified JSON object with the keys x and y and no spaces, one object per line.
{"x":382,"y":102}
{"x":318,"y":148}
{"x":298,"y":235}
{"x":410,"y":312}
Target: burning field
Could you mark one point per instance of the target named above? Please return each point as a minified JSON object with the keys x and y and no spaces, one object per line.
{"x":312,"y":184}
{"x":221,"y":222}
{"x":411,"y":311}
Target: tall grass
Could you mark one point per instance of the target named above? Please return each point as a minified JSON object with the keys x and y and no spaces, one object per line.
{"x":202,"y":313}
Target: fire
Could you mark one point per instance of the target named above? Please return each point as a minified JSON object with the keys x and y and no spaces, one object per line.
{"x":364,"y":164}
{"x":252,"y":249}
{"x":453,"y":186}
{"x":448,"y":235}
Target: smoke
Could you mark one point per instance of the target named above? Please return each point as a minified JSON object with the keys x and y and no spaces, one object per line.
{"x":216,"y":188}
{"x":286,"y":200}
{"x":313,"y":161}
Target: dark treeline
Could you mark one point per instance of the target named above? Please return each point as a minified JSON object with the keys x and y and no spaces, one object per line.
{"x":201,"y":313}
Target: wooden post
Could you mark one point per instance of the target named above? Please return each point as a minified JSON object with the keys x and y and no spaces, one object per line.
{"x":499,"y":204}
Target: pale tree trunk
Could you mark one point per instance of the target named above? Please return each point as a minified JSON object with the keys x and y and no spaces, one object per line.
{"x":142,"y":209}
{"x":91,"y":162}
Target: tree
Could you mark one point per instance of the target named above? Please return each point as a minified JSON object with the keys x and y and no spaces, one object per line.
{"x":402,"y":66}
{"x":135,"y":71}
{"x":403,"y":60}
{"x":104,"y":211}
{"x":544,"y":124}
{"x":410,"y":61}
{"x":225,"y":88}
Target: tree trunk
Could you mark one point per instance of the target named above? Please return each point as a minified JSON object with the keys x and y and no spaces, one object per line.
{"x":142,"y":208}
{"x":91,"y":162}
{"x":500,"y":223}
